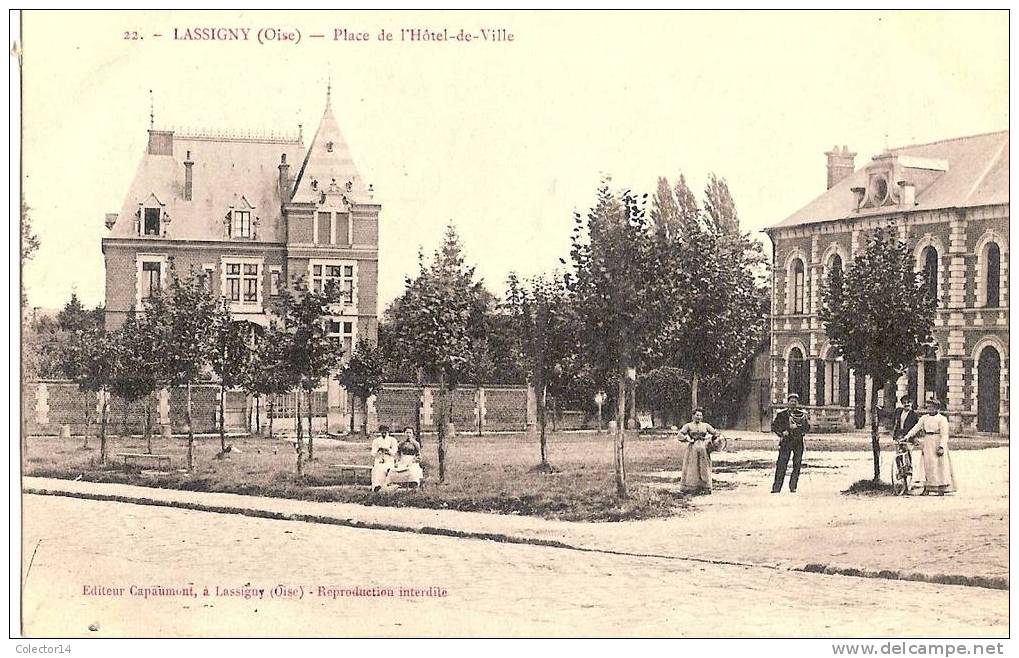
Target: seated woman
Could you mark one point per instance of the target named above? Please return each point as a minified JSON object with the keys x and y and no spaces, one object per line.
{"x":407,"y":469}
{"x":937,"y":465}
{"x":697,"y":465}
{"x":383,"y":451}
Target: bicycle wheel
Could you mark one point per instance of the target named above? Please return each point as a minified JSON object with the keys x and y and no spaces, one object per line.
{"x":900,"y":476}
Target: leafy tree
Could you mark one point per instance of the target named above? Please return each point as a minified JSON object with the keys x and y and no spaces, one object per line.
{"x":666,"y":390}
{"x":362,"y":375}
{"x":713,"y":334}
{"x":311,"y":354}
{"x":29,"y":240}
{"x":436,"y":323}
{"x":135,"y":375}
{"x":91,"y":361}
{"x":719,"y":208}
{"x":183,"y":321}
{"x":542,"y":314}
{"x":270,"y":374}
{"x":620,"y":297}
{"x":230,"y":360}
{"x":878,"y":315}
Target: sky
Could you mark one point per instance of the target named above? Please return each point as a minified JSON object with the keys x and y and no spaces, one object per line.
{"x":504,"y":139}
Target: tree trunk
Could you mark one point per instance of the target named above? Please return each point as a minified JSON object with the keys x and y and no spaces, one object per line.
{"x":222,"y":419}
{"x":350,"y":405}
{"x":618,"y":452}
{"x":272,"y":412}
{"x":441,"y":426}
{"x":102,"y":430}
{"x":541,"y":425}
{"x":875,"y":447}
{"x":191,"y":430}
{"x":299,"y":445}
{"x":258,"y":415}
{"x":311,"y":436}
{"x":480,"y":427}
{"x":364,"y":420}
{"x":123,"y":419}
{"x":417,"y":411}
{"x":148,"y":424}
{"x":599,"y":419}
{"x":694,"y":385}
{"x":88,"y":423}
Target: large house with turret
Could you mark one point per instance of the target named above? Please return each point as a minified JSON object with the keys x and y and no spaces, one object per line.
{"x":949,"y":201}
{"x":247,"y":214}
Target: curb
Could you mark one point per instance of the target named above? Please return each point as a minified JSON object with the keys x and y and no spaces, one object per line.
{"x":995,"y":583}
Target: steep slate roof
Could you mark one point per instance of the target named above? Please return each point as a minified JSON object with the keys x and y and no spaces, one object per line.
{"x":977,"y":175}
{"x":329,"y":158}
{"x":225,"y":169}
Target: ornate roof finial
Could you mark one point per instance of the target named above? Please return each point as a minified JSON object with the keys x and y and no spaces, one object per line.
{"x":329,"y":90}
{"x":152,"y":112}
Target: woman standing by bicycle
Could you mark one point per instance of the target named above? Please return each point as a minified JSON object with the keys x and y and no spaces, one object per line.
{"x":937,"y":465}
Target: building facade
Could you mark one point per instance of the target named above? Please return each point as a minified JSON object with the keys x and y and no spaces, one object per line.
{"x":949,"y":201}
{"x":249,"y":214}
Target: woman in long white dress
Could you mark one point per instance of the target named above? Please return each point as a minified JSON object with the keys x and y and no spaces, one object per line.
{"x":384,"y":451}
{"x":407,"y":468}
{"x":697,"y":465}
{"x":937,"y":464}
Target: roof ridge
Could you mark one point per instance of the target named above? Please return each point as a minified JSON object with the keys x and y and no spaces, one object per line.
{"x":950,"y":139}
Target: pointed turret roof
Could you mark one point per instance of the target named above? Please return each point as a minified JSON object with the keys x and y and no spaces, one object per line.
{"x":328,"y":160}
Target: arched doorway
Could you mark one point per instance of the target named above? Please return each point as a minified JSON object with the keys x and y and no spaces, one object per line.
{"x":798,"y":376}
{"x":988,"y":390}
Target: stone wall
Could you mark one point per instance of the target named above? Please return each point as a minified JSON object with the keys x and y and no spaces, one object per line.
{"x":47,"y":405}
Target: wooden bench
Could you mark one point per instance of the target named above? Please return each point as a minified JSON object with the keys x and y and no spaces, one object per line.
{"x":141,"y":456}
{"x":354,"y":470}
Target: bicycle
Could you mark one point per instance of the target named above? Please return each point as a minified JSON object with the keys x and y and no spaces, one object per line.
{"x":902,"y":468}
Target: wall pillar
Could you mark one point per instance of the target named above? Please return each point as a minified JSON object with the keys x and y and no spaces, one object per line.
{"x":479,"y":410}
{"x":334,"y":407}
{"x":869,"y":399}
{"x":373,"y":416}
{"x":42,"y":405}
{"x":162,"y":406}
{"x":426,"y":408}
{"x":956,"y":403}
{"x":901,"y":388}
{"x":812,"y":386}
{"x":852,"y":389}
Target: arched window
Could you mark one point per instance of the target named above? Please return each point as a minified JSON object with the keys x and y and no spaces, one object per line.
{"x":798,"y":380}
{"x":799,"y":285}
{"x":993,"y":275}
{"x":836,"y":263}
{"x":930,"y":272}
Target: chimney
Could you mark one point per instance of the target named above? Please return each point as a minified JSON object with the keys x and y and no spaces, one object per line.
{"x":840,"y":164}
{"x":160,"y":142}
{"x":284,"y":179}
{"x":188,"y":180}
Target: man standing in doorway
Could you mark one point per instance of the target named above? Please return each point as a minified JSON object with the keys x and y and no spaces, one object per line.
{"x":790,"y":424}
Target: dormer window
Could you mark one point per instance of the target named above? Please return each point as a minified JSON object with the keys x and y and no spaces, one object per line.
{"x":240,"y":225}
{"x":329,"y":147}
{"x":878,"y":190}
{"x":151,"y":221}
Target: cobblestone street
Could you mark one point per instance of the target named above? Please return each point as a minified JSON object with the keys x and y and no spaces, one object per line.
{"x":490,"y":588}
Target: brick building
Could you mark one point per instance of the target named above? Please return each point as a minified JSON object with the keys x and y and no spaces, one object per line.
{"x":247,"y":214}
{"x":949,"y":200}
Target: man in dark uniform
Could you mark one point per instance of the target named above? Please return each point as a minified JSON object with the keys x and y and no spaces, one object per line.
{"x":790,"y":425}
{"x":905,"y":418}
